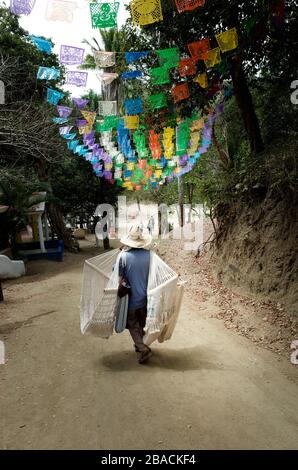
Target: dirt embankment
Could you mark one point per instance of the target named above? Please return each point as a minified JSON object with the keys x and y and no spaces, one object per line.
{"x":259,"y":253}
{"x":246,"y":301}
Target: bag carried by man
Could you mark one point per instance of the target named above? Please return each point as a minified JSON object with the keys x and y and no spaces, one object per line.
{"x":121,"y":311}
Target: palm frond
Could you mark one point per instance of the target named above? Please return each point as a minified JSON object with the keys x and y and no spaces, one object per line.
{"x":34,"y":200}
{"x":89,"y":63}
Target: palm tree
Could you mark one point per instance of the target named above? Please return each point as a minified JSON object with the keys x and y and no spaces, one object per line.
{"x":112,"y":41}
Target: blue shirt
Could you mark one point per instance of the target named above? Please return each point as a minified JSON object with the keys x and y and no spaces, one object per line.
{"x":136,"y":271}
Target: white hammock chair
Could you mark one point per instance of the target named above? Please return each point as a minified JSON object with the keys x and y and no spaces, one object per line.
{"x":99,"y":297}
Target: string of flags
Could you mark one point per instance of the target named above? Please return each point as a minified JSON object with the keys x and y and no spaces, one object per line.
{"x":125,"y":150}
{"x":132,"y":150}
{"x":168,"y":59}
{"x":103,"y":14}
{"x":140,"y":159}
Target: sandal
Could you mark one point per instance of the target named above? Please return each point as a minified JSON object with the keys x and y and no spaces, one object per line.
{"x":145,"y":355}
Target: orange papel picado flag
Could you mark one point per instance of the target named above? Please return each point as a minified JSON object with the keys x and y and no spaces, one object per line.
{"x":188,"y":5}
{"x":180,"y":92}
{"x":199,"y":49}
{"x":187,"y":67}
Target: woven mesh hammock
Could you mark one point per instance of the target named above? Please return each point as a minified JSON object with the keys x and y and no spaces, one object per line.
{"x":99,"y":297}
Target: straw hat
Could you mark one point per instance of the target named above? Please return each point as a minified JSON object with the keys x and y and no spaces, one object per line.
{"x":136,"y":238}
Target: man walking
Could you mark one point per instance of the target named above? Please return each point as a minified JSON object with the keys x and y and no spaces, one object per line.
{"x":134,"y":267}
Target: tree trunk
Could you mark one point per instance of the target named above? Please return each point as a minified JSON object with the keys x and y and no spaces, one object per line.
{"x":110,"y":92}
{"x":190,"y":190}
{"x":223,"y":156}
{"x":159,"y":222}
{"x":181,"y":200}
{"x":246,"y":106}
{"x":241,"y":90}
{"x":13,"y":244}
{"x":56,"y":218}
{"x":106,"y":244}
{"x":58,"y":224}
{"x":106,"y":240}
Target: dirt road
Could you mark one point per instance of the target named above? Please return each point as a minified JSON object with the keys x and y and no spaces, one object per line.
{"x":208,"y":388}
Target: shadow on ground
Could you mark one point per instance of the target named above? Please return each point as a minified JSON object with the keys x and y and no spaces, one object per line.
{"x":10,"y":327}
{"x":196,"y":358}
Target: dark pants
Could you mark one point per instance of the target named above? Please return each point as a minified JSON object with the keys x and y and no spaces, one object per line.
{"x":136,"y":321}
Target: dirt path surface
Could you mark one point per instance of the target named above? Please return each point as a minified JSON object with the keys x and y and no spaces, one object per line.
{"x":207,"y":388}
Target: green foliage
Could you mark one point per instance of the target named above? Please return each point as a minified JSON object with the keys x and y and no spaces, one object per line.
{"x":250,"y":178}
{"x":78,"y":191}
{"x":268,"y":54}
{"x":32,"y":154}
{"x":262,"y":45}
{"x":94,"y":98}
{"x":17,"y":196}
{"x":277,"y":115}
{"x":110,"y":40}
{"x":24,"y":56}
